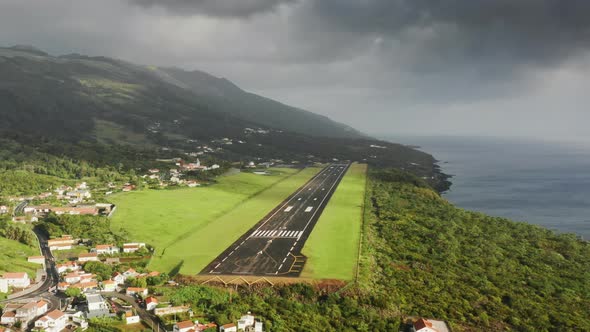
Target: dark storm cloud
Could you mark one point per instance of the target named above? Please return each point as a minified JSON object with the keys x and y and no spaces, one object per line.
{"x":497,"y":32}
{"x":217,"y":8}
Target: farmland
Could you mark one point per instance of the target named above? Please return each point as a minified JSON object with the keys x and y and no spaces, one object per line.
{"x":189,"y":227}
{"x":332,"y":247}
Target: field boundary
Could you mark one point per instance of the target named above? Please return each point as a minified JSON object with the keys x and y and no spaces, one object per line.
{"x":362,"y":226}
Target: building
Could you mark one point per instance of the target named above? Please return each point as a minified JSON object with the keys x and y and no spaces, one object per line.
{"x":54,"y":321}
{"x":130,"y":318}
{"x":118,"y":278}
{"x":184,"y":326}
{"x":8,"y":317}
{"x":131,"y":273}
{"x":231,"y":327}
{"x":151,"y":303}
{"x":136,"y":291}
{"x":64,"y":239}
{"x":430,"y":325}
{"x":106,"y":249}
{"x":76,"y":210}
{"x":88,"y":257}
{"x":56,"y":247}
{"x":36,"y":259}
{"x":132,"y":247}
{"x":97,"y":306}
{"x":72,"y":277}
{"x":14,"y":279}
{"x":170,"y":310}
{"x":27,"y":312}
{"x":246,"y":321}
{"x":109,"y":286}
{"x":67,"y":266}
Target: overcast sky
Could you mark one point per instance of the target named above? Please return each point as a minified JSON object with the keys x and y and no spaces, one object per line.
{"x":422,"y":67}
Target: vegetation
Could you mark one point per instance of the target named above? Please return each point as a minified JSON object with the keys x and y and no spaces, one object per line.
{"x":14,"y":257}
{"x":424,"y":257}
{"x":432,"y":259}
{"x":332,"y":247}
{"x":190,"y":227}
{"x":95,"y":228}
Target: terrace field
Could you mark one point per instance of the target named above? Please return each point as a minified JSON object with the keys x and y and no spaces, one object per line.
{"x":190,"y":227}
{"x":332,"y":247}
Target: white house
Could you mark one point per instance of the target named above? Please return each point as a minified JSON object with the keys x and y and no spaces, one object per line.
{"x":136,"y":290}
{"x":151,"y":303}
{"x":15,"y":279}
{"x":95,"y":302}
{"x":429,"y":325}
{"x":131,"y":319}
{"x":71,"y":266}
{"x":88,"y":257}
{"x":245,"y":321}
{"x":118,"y":278}
{"x":184,"y":326}
{"x":132,"y":247}
{"x":130,"y":273}
{"x":42,"y":307}
{"x":72,"y":278}
{"x":8,"y":317}
{"x":231,"y":327}
{"x":54,"y":321}
{"x":106,"y":249}
{"x":55,"y":247}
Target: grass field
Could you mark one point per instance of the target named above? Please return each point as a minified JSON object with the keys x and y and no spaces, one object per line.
{"x":190,"y":227}
{"x":332,"y":247}
{"x":13,"y":257}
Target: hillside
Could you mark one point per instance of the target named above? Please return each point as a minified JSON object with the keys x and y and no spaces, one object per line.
{"x":81,"y":107}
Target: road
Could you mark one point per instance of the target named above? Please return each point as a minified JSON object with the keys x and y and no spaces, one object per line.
{"x":273,"y":246}
{"x":143,"y":314}
{"x":51,"y":279}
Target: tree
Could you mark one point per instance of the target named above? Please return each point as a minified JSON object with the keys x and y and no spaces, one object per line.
{"x":73,"y":292}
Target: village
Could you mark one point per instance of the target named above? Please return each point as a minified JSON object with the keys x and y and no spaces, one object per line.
{"x":125,"y":296}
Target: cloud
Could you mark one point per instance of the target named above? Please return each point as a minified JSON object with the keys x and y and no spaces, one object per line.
{"x":465,"y":32}
{"x":215,"y":8}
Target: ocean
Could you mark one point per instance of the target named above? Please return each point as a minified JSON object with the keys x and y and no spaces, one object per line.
{"x":539,"y":182}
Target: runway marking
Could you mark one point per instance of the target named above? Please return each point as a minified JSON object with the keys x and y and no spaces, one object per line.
{"x":289,"y":208}
{"x":276,"y":234}
{"x":309,"y":208}
{"x":299,"y":199}
{"x":216,"y":266}
{"x":224,"y":259}
{"x":284,"y":259}
{"x":280,"y":266}
{"x":315,"y":199}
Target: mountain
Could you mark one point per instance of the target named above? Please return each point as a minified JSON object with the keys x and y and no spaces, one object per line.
{"x":75,"y":100}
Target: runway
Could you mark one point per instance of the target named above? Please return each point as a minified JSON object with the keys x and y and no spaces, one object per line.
{"x":273,"y":246}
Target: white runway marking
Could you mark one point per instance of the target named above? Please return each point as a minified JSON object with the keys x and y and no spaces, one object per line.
{"x":309,"y":208}
{"x":315,"y":199}
{"x":289,"y":208}
{"x":277,"y":233}
{"x":299,"y":199}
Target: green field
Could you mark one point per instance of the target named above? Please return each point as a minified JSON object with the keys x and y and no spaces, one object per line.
{"x":190,"y":227}
{"x":332,"y":247}
{"x":13,"y":257}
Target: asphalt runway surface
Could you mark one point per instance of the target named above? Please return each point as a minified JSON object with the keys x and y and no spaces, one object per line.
{"x":273,"y":246}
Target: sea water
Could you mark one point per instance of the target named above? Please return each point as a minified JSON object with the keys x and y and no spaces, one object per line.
{"x":541,"y":182}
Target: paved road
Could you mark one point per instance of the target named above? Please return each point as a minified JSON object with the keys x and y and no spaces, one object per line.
{"x":273,"y":246}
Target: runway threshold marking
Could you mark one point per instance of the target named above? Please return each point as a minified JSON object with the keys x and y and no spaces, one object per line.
{"x":309,"y":208}
{"x":289,"y":208}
